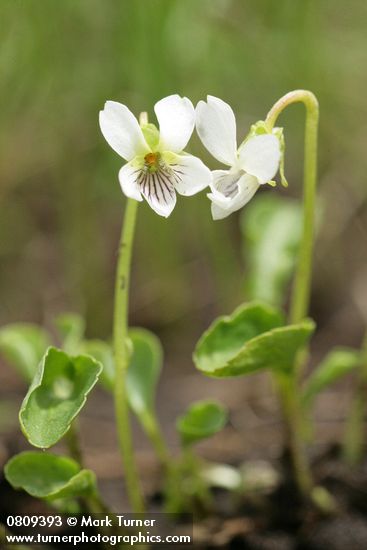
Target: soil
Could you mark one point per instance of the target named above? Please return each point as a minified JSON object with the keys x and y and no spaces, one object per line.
{"x":263,"y":519}
{"x":271,"y":519}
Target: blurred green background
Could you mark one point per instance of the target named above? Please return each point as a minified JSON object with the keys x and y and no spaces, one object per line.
{"x":60,"y":201}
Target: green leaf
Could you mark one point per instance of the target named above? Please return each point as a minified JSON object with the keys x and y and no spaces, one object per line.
{"x":251,"y":339}
{"x":44,"y":475}
{"x":227,"y":335}
{"x":144,"y":370}
{"x":23,"y":346}
{"x":271,"y":228}
{"x":144,"y":367}
{"x":58,"y":392}
{"x":102,"y":352}
{"x":336,"y":364}
{"x":201,"y":420}
{"x":71,"y":328}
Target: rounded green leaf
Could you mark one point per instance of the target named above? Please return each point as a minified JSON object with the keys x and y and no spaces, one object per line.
{"x":23,"y":346}
{"x":201,"y":420}
{"x":58,"y":392}
{"x":44,"y":475}
{"x":71,"y":327}
{"x":102,"y":352}
{"x":252,"y":338}
{"x":227,"y":335}
{"x":336,"y":364}
{"x":272,"y":228}
{"x":144,"y":370}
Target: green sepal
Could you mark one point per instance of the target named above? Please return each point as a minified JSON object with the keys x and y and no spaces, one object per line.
{"x":201,"y":420}
{"x":48,"y":476}
{"x":151,"y":134}
{"x":257,"y":129}
{"x":251,"y":339}
{"x":280,"y":135}
{"x":23,"y":346}
{"x":57,"y":394}
{"x":260,"y":128}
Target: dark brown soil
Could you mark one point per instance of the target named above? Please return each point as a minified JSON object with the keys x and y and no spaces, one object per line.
{"x":275,"y":520}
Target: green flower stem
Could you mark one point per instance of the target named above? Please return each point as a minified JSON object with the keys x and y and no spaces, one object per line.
{"x":155,"y":435}
{"x":292,"y":412}
{"x":289,"y":393}
{"x":122,"y":356}
{"x":192,"y":465}
{"x":354,"y":437}
{"x":186,"y":489}
{"x":172,"y":472}
{"x":302,"y":282}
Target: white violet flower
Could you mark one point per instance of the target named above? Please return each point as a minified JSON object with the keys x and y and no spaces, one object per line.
{"x":254,"y":163}
{"x":157,"y":166}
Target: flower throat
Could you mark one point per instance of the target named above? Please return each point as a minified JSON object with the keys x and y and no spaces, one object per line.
{"x":152,"y":162}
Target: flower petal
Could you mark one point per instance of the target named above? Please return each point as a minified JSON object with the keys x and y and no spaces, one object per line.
{"x":218,"y":212}
{"x":158,"y":190}
{"x":226,"y":182}
{"x":122,"y":131}
{"x":192,"y":176}
{"x":128,"y":176}
{"x":216,"y":126}
{"x":176,"y":117}
{"x":248,"y":185}
{"x":220,"y":205}
{"x":260,"y":157}
{"x":223,"y":206}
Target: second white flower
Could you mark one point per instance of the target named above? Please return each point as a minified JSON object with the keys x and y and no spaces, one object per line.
{"x":254,"y":163}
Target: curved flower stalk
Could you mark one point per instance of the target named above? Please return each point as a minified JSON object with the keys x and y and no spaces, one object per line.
{"x":157,"y":165}
{"x":254,"y":163}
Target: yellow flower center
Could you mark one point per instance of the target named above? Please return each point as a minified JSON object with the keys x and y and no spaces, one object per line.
{"x":152,"y":162}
